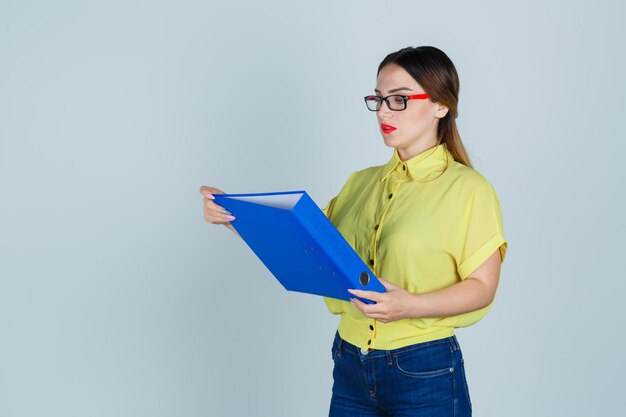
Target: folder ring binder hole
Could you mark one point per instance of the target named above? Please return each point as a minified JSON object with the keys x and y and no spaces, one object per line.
{"x":365,"y":278}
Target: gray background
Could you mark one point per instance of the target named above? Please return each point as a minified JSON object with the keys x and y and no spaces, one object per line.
{"x":117,"y":299}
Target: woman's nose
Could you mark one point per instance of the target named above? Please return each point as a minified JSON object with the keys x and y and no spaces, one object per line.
{"x":384,"y":110}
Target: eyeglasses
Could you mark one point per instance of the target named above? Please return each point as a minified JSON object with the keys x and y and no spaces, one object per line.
{"x":394,"y":102}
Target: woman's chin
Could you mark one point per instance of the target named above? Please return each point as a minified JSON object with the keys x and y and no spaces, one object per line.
{"x":390,"y":141}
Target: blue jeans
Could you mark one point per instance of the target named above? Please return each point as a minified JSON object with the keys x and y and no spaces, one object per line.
{"x":424,"y":380}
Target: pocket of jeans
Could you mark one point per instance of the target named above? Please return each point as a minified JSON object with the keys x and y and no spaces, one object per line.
{"x":424,"y":374}
{"x":425,"y":363}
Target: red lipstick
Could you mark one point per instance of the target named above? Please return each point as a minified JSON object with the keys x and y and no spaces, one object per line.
{"x":387,"y":128}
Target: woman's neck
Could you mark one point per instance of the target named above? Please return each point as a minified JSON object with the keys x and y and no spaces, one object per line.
{"x":416,"y":148}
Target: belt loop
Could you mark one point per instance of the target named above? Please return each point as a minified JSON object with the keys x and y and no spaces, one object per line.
{"x":389,"y":359}
{"x":455,"y":343}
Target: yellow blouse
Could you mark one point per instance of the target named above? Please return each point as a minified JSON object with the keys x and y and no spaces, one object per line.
{"x":423,"y":224}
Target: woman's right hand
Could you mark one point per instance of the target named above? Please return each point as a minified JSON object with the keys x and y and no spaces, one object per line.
{"x":212,"y":212}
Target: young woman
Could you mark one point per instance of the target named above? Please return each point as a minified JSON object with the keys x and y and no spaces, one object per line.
{"x":430,"y":226}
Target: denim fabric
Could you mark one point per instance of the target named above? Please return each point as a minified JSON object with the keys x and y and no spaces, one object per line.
{"x":421,"y":380}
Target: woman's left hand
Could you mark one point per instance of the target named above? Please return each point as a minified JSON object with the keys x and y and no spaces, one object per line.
{"x":395,"y":304}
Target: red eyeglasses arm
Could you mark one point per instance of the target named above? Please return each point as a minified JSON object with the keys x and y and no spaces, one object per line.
{"x":418,"y":96}
{"x":413,"y":97}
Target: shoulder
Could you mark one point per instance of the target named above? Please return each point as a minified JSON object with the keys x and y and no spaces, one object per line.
{"x":354,"y":186}
{"x":466,"y":177}
{"x":467,"y":182}
{"x":362,"y":178}
{"x":367,"y":174}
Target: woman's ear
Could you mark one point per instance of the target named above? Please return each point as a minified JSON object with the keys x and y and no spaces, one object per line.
{"x":441,"y":111}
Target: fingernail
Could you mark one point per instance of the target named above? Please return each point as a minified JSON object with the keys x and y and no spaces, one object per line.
{"x":350,"y":291}
{"x":231,"y":218}
{"x":226,"y":211}
{"x":209,"y":196}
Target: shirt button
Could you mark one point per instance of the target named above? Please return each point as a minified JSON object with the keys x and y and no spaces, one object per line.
{"x":390,"y":195}
{"x":372,"y":262}
{"x":376,"y":227}
{"x":403,"y":167}
{"x":371,"y":327}
{"x":369,"y":342}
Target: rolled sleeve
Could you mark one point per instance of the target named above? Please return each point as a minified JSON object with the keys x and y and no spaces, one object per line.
{"x":482,"y":226}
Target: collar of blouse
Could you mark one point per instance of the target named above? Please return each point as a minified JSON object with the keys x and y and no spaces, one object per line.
{"x":431,"y":161}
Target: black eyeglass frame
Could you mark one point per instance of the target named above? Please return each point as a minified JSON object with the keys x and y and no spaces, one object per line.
{"x":379,"y":100}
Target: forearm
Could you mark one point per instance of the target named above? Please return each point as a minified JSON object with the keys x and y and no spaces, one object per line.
{"x":473,"y":293}
{"x":468,"y":295}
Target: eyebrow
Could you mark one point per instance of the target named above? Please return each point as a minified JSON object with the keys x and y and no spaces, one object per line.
{"x":395,"y":90}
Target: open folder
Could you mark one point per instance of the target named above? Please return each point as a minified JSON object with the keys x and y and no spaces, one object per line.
{"x":298,"y":244}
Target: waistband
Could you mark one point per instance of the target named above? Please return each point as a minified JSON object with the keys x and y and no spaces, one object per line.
{"x":343,"y":346}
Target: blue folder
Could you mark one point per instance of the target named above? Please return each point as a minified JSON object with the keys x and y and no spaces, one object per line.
{"x":298,"y":244}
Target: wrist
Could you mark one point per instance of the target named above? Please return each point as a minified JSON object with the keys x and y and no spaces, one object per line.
{"x":415,"y":307}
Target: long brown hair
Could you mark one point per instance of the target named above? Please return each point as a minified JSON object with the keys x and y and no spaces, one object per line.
{"x":435,"y":72}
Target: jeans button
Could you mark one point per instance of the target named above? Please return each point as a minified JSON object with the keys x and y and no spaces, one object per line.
{"x":365,"y":351}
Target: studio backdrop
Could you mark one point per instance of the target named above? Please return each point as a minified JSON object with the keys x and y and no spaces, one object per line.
{"x":118,"y":299}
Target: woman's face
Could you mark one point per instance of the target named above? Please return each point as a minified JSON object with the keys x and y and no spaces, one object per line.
{"x":416,"y":126}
